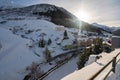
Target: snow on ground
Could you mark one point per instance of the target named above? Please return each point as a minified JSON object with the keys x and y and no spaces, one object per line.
{"x":27,"y":33}
{"x":46,"y":66}
{"x":38,"y":29}
{"x":93,"y":68}
{"x":90,"y":60}
{"x":116,"y":75}
{"x":63,"y":70}
{"x":15,"y":56}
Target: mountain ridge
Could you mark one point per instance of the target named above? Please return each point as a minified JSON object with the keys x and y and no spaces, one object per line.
{"x":57,"y":15}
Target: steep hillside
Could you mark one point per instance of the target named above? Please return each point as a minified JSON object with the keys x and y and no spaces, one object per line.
{"x":51,"y":13}
{"x":19,"y":45}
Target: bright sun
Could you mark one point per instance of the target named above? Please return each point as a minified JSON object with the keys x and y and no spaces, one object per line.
{"x":84,"y":16}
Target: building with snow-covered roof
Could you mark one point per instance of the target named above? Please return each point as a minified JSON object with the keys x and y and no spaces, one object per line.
{"x":60,"y":28}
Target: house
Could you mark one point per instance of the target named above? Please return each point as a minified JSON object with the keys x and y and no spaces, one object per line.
{"x":60,"y":28}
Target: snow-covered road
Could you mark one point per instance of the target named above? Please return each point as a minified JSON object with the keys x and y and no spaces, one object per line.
{"x":64,"y":70}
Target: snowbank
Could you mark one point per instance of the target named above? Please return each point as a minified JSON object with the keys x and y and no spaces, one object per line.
{"x":91,"y":60}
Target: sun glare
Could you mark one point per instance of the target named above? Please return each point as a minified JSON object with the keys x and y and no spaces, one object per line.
{"x":84,"y":16}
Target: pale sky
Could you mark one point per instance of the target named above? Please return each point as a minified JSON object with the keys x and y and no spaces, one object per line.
{"x":106,"y":12}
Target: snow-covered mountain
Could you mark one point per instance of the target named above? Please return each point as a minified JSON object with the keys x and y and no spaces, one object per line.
{"x":8,"y":4}
{"x":104,"y":27}
{"x":6,"y":7}
{"x":21,"y":31}
{"x":52,"y":13}
{"x":115,"y":28}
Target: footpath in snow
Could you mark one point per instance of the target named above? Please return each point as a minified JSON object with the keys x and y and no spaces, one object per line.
{"x":87,"y":72}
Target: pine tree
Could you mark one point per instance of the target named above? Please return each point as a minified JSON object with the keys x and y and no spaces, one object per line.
{"x":42,"y":43}
{"x":66,"y":35}
{"x":47,"y":54}
{"x":49,"y":41}
{"x":98,"y":46}
{"x":84,"y":57}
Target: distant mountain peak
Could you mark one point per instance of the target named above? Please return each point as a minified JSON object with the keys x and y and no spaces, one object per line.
{"x":115,"y":28}
{"x":8,"y":4}
{"x":104,"y":27}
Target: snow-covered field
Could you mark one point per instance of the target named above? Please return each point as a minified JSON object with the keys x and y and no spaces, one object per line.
{"x":15,"y":39}
{"x":39,"y":28}
{"x":15,"y":56}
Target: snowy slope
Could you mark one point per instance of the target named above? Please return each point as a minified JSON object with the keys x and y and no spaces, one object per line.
{"x":15,"y":39}
{"x":29,"y":32}
{"x":55,"y":14}
{"x":14,"y":56}
{"x":39,"y":28}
